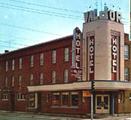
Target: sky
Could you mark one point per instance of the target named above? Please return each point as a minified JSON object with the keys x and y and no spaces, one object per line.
{"x":29,"y":22}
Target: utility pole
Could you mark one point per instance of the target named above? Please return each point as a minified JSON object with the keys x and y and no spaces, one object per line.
{"x":92,"y":95}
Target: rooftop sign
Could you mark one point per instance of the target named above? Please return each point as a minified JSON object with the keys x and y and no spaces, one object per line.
{"x":91,"y":16}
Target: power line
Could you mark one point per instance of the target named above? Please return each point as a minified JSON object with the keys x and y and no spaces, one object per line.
{"x":28,"y":29}
{"x":38,"y":11}
{"x":41,"y":5}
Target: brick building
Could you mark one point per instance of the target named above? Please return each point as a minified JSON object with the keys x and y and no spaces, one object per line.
{"x":55,"y":77}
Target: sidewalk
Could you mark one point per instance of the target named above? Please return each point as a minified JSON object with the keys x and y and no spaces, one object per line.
{"x":4,"y":115}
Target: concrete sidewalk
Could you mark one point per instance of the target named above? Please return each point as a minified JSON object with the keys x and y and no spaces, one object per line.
{"x":4,"y":115}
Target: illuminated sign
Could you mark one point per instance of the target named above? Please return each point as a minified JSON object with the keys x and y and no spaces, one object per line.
{"x":115,"y":55}
{"x":91,"y":55}
{"x":103,"y":15}
{"x":76,"y":52}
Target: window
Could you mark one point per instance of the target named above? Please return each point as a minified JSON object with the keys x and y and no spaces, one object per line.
{"x":126,"y":52}
{"x":41,"y":59}
{"x":32,"y":100}
{"x":41,"y":78}
{"x":20,"y":63}
{"x":31,"y":61}
{"x":20,"y":81}
{"x":53,"y":76}
{"x":6,"y":81}
{"x":74,"y":99}
{"x":65,"y":75}
{"x":65,"y":98}
{"x":31,"y":79}
{"x":54,"y":56}
{"x":126,"y":74}
{"x":66,"y":54}
{"x":12,"y":81}
{"x":5,"y":96}
{"x":6,"y":66}
{"x":56,"y":99}
{"x":20,"y":96}
{"x":13,"y":64}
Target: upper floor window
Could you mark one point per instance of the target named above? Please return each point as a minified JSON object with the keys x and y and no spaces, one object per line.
{"x":31,"y":79}
{"x":13,"y":81}
{"x":41,"y":78}
{"x":66,"y":75}
{"x":6,"y":66}
{"x":126,"y":52}
{"x":6,"y":81}
{"x":54,"y":56}
{"x":20,"y":80}
{"x":53,"y":76}
{"x":41,"y":59}
{"x":13,"y":64}
{"x":126,"y":74}
{"x":20,"y":63}
{"x":66,"y":54}
{"x":31,"y":61}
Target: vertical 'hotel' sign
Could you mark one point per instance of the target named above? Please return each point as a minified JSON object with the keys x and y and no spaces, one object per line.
{"x":76,"y":53}
{"x":91,"y":55}
{"x":115,"y":46}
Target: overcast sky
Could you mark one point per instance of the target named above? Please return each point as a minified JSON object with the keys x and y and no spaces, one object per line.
{"x":28,"y":22}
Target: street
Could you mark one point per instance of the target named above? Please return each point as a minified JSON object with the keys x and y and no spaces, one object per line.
{"x":30,"y":116}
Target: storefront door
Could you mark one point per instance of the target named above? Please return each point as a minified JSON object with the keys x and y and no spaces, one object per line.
{"x":102,"y":103}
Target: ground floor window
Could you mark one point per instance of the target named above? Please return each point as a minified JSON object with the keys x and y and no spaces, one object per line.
{"x":4,"y":96}
{"x":31,"y":100}
{"x":56,"y":99}
{"x":65,"y":98}
{"x":20,"y":96}
{"x":74,"y":99}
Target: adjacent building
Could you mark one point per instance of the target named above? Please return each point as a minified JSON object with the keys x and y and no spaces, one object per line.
{"x":55,"y":77}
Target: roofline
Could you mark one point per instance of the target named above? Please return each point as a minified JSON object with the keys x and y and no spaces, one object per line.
{"x":28,"y":47}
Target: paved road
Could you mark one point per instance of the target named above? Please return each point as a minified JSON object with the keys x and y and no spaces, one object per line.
{"x":29,"y":116}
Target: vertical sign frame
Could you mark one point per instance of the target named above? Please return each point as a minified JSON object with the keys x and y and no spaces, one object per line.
{"x":115,"y":55}
{"x":91,"y":55}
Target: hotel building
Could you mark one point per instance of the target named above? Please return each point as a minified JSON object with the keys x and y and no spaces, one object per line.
{"x":55,"y":77}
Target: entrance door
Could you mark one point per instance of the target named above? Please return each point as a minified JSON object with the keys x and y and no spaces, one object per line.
{"x":102,"y":103}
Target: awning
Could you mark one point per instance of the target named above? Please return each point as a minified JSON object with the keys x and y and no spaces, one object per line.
{"x":99,"y":85}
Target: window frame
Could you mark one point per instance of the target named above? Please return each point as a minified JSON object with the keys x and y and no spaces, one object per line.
{"x":66,"y":76}
{"x":53,"y":76}
{"x":53,"y":57}
{"x":32,"y":61}
{"x":13,"y":64}
{"x":66,"y":54}
{"x":41,"y":59}
{"x":126,"y":52}
{"x":20,"y":63}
